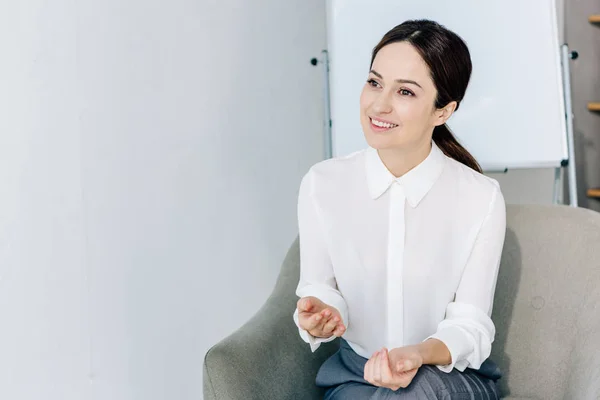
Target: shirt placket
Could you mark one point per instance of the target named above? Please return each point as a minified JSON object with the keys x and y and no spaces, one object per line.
{"x":395,"y":265}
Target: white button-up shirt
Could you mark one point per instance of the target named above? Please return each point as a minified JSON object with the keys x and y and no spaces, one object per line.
{"x":403,"y":259}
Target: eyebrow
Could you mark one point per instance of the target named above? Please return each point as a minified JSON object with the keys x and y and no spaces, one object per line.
{"x":377,"y":74}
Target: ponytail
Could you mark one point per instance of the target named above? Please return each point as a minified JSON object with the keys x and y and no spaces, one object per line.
{"x":445,"y":140}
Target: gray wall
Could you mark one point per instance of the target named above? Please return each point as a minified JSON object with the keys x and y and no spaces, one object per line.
{"x":585,"y":76}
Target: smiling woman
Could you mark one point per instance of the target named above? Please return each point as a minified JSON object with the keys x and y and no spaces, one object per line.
{"x":400,"y":243}
{"x":413,"y":88}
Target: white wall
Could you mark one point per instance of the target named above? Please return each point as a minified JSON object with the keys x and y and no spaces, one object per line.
{"x":150,"y":156}
{"x":44,"y":315}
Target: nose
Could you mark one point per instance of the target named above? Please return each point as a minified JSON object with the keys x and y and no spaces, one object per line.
{"x":382,"y":103}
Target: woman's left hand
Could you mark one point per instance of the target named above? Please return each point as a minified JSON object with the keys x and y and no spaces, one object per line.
{"x":393,"y":370}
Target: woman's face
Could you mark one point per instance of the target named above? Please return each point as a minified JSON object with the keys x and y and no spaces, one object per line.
{"x":397,"y":104}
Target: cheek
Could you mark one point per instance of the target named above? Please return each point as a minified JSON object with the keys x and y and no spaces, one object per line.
{"x":410,"y":112}
{"x":364,"y":100}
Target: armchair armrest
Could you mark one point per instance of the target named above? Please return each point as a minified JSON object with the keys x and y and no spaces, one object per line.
{"x":266,"y":358}
{"x":584,"y":381}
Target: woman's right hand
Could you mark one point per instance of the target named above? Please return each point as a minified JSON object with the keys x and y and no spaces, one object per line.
{"x":319,"y":319}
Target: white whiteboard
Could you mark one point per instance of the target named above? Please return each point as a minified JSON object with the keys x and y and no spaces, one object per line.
{"x":513,"y":113}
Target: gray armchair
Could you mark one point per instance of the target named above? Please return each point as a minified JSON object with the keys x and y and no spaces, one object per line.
{"x":546,"y":311}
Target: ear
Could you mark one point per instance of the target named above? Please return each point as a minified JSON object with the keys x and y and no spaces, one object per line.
{"x":443,"y":114}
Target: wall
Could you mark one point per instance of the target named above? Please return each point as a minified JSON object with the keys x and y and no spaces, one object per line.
{"x":585,"y":79}
{"x":45,"y":337}
{"x":150,"y":157}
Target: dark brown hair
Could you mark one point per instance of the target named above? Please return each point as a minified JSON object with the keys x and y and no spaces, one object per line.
{"x":449,"y":63}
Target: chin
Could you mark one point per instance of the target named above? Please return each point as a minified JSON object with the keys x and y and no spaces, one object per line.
{"x":380,"y":142}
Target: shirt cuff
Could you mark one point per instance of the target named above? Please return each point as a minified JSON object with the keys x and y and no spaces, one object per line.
{"x":459,"y":346}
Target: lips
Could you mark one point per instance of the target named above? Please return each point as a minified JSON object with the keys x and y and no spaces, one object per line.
{"x":379,"y":125}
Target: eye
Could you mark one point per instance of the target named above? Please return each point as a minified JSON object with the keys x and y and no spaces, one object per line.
{"x":373,"y":83}
{"x":405,"y":92}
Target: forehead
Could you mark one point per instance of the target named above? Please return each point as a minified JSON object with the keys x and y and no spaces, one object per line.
{"x":402,"y":61}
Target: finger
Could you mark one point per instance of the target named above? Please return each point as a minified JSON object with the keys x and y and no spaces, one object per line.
{"x":330,"y":325}
{"x":302,"y":304}
{"x":306,"y":320}
{"x":399,"y":366}
{"x":314,"y":321}
{"x":369,"y":369}
{"x":325,"y":317}
{"x":405,"y":365}
{"x":305,"y":304}
{"x":340,"y":329}
{"x":386,"y":373}
{"x":335,"y":313}
{"x":321,"y":326}
{"x":377,"y":368}
{"x":407,"y":377}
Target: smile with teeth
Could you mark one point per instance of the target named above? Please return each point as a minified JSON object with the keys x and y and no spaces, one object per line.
{"x":382,"y":124}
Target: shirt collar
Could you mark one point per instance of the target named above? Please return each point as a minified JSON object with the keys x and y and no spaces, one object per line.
{"x":416,"y":182}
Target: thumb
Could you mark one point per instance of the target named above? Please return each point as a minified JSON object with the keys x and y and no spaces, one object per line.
{"x":404,"y":365}
{"x":317,"y":305}
{"x":308,"y":304}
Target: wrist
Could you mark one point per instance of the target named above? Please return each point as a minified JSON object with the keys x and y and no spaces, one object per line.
{"x":434,"y":352}
{"x":424,"y":350}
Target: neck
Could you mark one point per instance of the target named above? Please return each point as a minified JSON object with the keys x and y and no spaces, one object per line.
{"x":401,"y":160}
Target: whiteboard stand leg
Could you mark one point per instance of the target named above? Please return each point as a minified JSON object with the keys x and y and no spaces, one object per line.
{"x":567,"y":55}
{"x":557,"y":185}
{"x":328,"y":145}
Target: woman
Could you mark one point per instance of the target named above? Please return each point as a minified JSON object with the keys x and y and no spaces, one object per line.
{"x":400,"y":243}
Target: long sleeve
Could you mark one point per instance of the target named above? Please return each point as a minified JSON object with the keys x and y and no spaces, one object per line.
{"x":468,"y":330}
{"x":316,"y":272}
